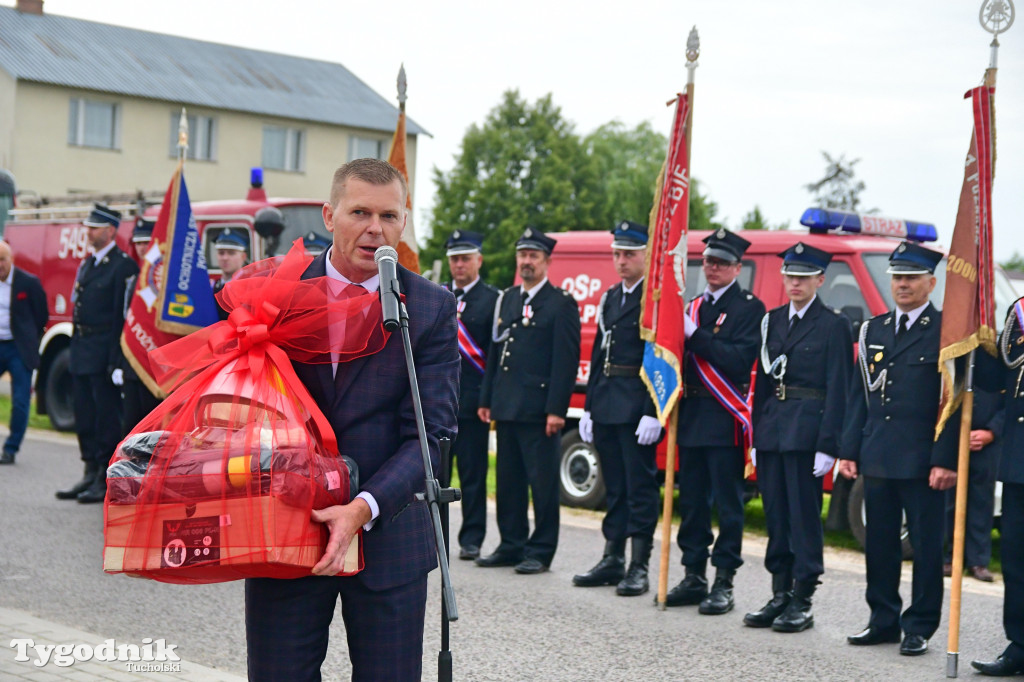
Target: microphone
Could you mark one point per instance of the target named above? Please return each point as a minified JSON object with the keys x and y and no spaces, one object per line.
{"x":386,"y":259}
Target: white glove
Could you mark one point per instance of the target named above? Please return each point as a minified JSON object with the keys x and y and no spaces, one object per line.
{"x":753,"y":457}
{"x":117,"y":376}
{"x":689,"y":326}
{"x":822,"y":464}
{"x":648,"y":430}
{"x":586,"y":428}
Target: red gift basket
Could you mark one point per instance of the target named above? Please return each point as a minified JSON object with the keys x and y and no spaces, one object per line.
{"x":219,"y":481}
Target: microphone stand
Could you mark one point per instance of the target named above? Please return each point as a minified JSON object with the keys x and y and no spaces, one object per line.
{"x":435,"y":494}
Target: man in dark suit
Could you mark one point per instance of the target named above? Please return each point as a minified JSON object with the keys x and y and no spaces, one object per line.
{"x":620,"y":421}
{"x":474,"y":301}
{"x":23,"y":314}
{"x":232,"y":255}
{"x":531,"y":372}
{"x":986,"y":445}
{"x":722,"y":338}
{"x":369,"y":404}
{"x":1007,"y":374}
{"x":98,"y":317}
{"x":889,"y":438}
{"x":799,"y":401}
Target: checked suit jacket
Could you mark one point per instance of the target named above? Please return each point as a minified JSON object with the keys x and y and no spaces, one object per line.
{"x":369,"y":405}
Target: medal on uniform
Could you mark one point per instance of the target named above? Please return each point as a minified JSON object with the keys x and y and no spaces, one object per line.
{"x":460,"y":306}
{"x":718,"y":323}
{"x":527,"y":314}
{"x":878,"y":356}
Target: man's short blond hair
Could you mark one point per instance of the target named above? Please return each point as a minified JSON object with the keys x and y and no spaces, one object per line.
{"x":371,"y":171}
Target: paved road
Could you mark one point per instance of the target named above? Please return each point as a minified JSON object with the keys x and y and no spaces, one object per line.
{"x":511,"y":627}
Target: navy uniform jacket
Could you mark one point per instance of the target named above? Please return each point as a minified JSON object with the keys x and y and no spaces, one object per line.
{"x":819,"y":354}
{"x":995,"y":375}
{"x":478,"y":318}
{"x":618,"y":399}
{"x":531,"y":368}
{"x":732,"y":347}
{"x":98,"y":312}
{"x":28,"y":316}
{"x":890,"y":433}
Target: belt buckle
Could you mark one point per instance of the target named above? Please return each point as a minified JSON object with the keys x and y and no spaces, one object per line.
{"x":606,"y":368}
{"x":780,"y":391}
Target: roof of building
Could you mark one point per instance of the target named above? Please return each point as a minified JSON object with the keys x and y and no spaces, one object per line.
{"x":83,"y":54}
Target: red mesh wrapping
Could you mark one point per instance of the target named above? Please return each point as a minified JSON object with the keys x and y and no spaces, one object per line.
{"x":218,"y":482}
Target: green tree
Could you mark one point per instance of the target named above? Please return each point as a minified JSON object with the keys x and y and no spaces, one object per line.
{"x":525,"y":166}
{"x":1015,"y":264}
{"x":755,"y":220}
{"x":627,"y":162}
{"x":702,"y":209}
{"x":839,"y":188}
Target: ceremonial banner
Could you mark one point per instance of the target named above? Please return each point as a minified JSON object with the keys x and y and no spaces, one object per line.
{"x":661,"y":322}
{"x":408,"y":251}
{"x":969,"y":269}
{"x":172,"y":294}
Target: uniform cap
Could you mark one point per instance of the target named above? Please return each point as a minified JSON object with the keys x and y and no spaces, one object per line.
{"x":911,"y":258}
{"x":233,"y":240}
{"x":535,"y":239}
{"x":803,"y":260}
{"x":629,"y":236}
{"x":103,"y":216}
{"x":315,"y":244}
{"x":143,"y":231}
{"x":725,"y":245}
{"x":464,"y":241}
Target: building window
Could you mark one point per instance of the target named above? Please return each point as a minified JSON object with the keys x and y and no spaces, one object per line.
{"x":284,"y":148}
{"x":202,"y":137}
{"x":366,"y":148}
{"x":94,"y":124}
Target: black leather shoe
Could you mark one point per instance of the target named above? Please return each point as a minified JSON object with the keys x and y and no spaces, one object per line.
{"x":796,"y":618}
{"x":1001,"y":667}
{"x":469,"y":552}
{"x":7,"y":458}
{"x":77,"y":489}
{"x":497,"y":559}
{"x":530,"y":566}
{"x":769,"y":612}
{"x":691,"y":590}
{"x":870,"y":636}
{"x":608,"y":571}
{"x":913,"y":645}
{"x":719,"y":599}
{"x":95,"y":493}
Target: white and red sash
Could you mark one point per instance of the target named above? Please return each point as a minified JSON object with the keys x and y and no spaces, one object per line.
{"x":470,"y":350}
{"x":736,"y":403}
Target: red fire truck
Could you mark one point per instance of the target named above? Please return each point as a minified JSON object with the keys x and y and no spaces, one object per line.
{"x":50,"y":241}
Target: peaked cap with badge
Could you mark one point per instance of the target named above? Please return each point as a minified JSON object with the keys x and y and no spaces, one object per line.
{"x":463,"y":241}
{"x":910,"y":258}
{"x":233,"y":240}
{"x":103,"y":216}
{"x":629,"y":236}
{"x":804,"y":260}
{"x":725,"y":245}
{"x":533,"y":238}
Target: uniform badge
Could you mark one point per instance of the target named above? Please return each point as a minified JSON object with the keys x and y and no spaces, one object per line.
{"x":1020,"y":340}
{"x":460,"y":306}
{"x":456,"y":235}
{"x":527,"y":314}
{"x":878,"y":357}
{"x":871,"y":368}
{"x":720,"y":234}
{"x":799,"y":248}
{"x":720,"y":320}
{"x":925,"y":320}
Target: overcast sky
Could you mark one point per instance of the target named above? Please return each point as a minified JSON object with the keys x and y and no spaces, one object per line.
{"x":778,"y":83}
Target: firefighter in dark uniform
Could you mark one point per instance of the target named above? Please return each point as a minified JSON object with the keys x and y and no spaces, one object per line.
{"x":799,"y":402}
{"x":727,"y":337}
{"x":531,"y":373}
{"x":889,"y":438}
{"x":315,"y":244}
{"x":137,"y":400}
{"x":1007,"y":374}
{"x":474,"y":301}
{"x":620,"y":420}
{"x":232,"y":254}
{"x":98,"y":317}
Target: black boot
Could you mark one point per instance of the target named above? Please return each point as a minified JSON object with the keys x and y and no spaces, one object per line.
{"x":719,"y":600}
{"x":636,"y":583}
{"x":96,"y":492}
{"x":691,"y":590}
{"x":782,"y":587}
{"x":797,"y":617}
{"x":74,"y":491}
{"x":609,"y":570}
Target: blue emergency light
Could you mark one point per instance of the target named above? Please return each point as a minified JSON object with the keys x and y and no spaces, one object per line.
{"x":256,"y":177}
{"x":826,"y":220}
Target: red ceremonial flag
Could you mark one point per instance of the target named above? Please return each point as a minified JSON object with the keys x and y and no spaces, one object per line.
{"x":408,"y":251}
{"x":969,"y":283}
{"x":661,"y":323}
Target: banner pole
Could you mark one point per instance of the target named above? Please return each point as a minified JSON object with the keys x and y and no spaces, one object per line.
{"x":960,"y":516}
{"x":666,"y":511}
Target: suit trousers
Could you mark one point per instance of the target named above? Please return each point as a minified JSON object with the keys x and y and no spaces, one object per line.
{"x":97,"y":403}
{"x":1012,"y":547}
{"x":885,"y":500}
{"x":527,"y":463}
{"x":287,"y":623}
{"x":138,"y":402}
{"x":21,"y":393}
{"x":470,"y":454}
{"x":711,"y":475}
{"x":631,"y":479}
{"x":792,"y":510}
{"x":981,"y":503}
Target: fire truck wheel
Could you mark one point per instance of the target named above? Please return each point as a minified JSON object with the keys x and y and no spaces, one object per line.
{"x":580,"y":473}
{"x":858,"y":518}
{"x":59,"y":406}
